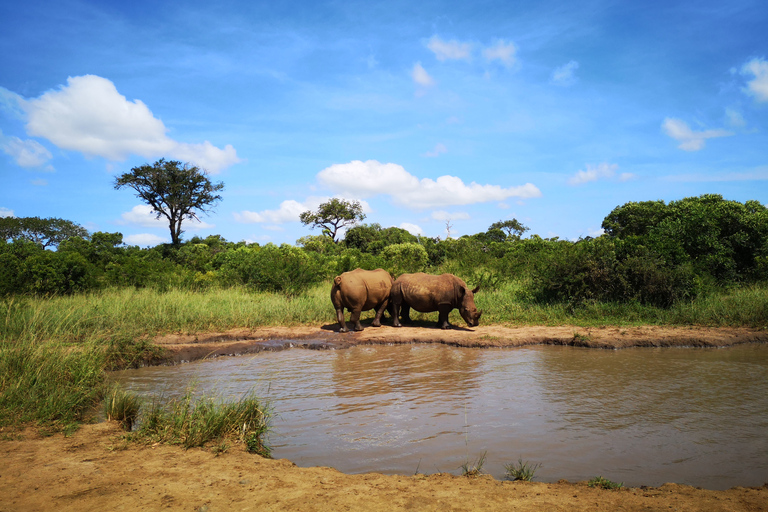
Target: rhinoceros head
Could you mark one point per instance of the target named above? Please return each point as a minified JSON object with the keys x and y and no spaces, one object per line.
{"x":467,"y":308}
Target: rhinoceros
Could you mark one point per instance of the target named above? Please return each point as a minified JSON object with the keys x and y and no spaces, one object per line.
{"x":426,"y":293}
{"x":360,"y":290}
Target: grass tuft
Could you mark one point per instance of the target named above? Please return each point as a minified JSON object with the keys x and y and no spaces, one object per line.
{"x":604,"y":483}
{"x":122,"y":406}
{"x":473,"y":469}
{"x":524,"y":471}
{"x":191,"y":422}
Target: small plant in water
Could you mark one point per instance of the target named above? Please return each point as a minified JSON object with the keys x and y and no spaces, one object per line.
{"x":604,"y":483}
{"x":122,"y":406}
{"x":473,"y":469}
{"x":521,"y":471}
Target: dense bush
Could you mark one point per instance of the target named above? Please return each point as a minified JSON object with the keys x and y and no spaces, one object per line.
{"x":652,"y":253}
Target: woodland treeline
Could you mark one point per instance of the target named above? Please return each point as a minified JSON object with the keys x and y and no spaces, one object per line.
{"x":652,"y":252}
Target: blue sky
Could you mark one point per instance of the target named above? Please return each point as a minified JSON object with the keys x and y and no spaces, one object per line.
{"x":429,"y":113}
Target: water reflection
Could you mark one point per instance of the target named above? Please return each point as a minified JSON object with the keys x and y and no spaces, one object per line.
{"x":642,"y":416}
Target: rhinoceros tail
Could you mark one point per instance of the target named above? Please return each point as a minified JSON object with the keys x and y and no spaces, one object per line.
{"x":337,"y":280}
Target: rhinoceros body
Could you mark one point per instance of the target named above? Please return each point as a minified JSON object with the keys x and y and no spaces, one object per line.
{"x":426,"y":293}
{"x":360,"y":290}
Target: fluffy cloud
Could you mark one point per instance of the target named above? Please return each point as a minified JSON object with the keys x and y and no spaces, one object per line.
{"x":600,"y":171}
{"x":288,"y":211}
{"x":502,"y":51}
{"x":449,"y":50}
{"x":144,"y":240}
{"x":421,"y":77}
{"x":689,"y":139}
{"x":6,"y":212}
{"x":89,"y":115}
{"x":758,"y":86}
{"x":142,"y":215}
{"x":365,"y":179}
{"x":564,"y":75}
{"x":27,"y":153}
{"x":439,"y":149}
{"x":412,"y":228}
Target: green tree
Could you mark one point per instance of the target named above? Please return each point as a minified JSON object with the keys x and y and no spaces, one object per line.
{"x":174,"y":190}
{"x":333,"y":216}
{"x":511,"y":229}
{"x":48,"y":232}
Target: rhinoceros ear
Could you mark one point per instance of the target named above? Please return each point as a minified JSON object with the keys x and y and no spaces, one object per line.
{"x":477,"y":288}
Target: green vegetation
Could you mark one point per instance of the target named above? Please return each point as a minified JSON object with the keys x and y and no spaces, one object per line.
{"x":473,"y":469}
{"x":604,"y":483}
{"x":192,"y":422}
{"x":524,"y":471}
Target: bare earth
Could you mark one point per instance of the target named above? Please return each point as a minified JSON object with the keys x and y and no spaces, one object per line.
{"x":96,"y":470}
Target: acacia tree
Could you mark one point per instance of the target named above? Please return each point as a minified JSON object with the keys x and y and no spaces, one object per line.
{"x":334,"y":215}
{"x":511,"y":228}
{"x":174,"y":190}
{"x":48,"y":232}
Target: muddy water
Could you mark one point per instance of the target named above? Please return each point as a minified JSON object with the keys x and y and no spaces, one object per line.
{"x":638,"y":416}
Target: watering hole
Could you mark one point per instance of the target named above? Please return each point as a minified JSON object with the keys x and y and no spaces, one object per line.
{"x":640,"y":416}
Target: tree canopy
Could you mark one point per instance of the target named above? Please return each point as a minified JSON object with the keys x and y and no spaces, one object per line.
{"x":48,"y":232}
{"x":333,"y":216}
{"x":174,"y":190}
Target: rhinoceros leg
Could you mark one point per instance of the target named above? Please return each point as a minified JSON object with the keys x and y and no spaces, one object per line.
{"x":340,"y":319}
{"x":379,"y":313}
{"x":442,"y":319}
{"x":354,"y":318}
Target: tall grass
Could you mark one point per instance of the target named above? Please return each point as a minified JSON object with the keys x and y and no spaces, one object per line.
{"x":192,"y":422}
{"x":49,"y":385}
{"x":119,"y":317}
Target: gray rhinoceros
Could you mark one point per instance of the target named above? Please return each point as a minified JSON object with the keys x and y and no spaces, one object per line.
{"x":360,"y":290}
{"x":426,"y":293}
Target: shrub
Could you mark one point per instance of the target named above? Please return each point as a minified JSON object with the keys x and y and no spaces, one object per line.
{"x":405,"y":258}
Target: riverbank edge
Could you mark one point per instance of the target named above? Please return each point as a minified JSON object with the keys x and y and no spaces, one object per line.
{"x":184,"y":347}
{"x":95,"y":469}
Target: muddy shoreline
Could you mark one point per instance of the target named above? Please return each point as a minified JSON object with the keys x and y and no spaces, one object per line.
{"x":180,"y":347}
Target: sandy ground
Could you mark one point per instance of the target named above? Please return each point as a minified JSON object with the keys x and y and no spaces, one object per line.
{"x":95,"y":469}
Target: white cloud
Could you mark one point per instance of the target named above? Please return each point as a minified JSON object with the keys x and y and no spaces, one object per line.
{"x":142,"y":215}
{"x":144,"y":240}
{"x":442,"y":215}
{"x":449,"y":50}
{"x":421,"y":77}
{"x":735,"y":118}
{"x":601,"y":171}
{"x":412,"y":228}
{"x":564,"y":75}
{"x":439,"y":149}
{"x":503,"y":51}
{"x":758,"y":86}
{"x":689,"y":139}
{"x":27,"y":153}
{"x":364,"y":179}
{"x":89,"y":115}
{"x":288,"y":211}
{"x":6,"y":212}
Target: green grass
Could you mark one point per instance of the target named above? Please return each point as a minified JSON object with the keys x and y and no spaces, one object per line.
{"x":604,"y":483}
{"x":196,"y":421}
{"x":523,"y":470}
{"x":53,"y":386}
{"x":473,"y":469}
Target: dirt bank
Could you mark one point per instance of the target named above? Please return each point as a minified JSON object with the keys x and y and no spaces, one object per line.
{"x":186,"y":347}
{"x":94,"y":470}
